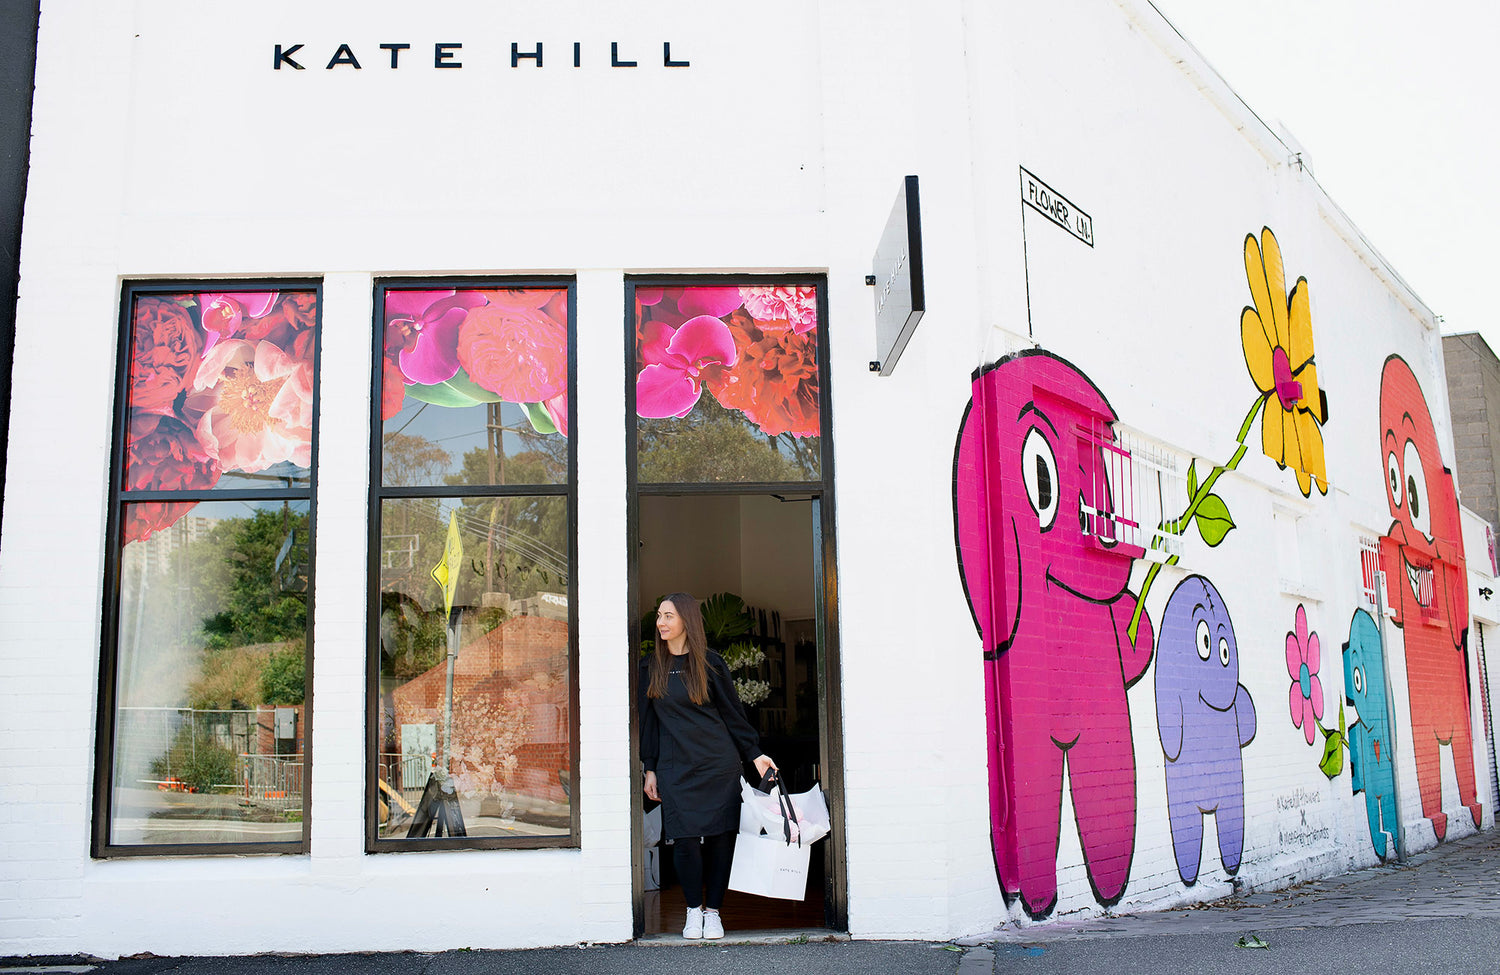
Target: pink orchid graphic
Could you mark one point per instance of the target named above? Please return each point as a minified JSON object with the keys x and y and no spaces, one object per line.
{"x":423,"y":325}
{"x":677,"y":363}
{"x":1303,"y":658}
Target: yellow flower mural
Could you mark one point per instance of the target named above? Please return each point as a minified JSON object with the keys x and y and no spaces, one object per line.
{"x":1277,"y":337}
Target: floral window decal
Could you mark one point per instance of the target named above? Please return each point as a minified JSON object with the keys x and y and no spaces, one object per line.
{"x":219,"y":395}
{"x":728,"y":383}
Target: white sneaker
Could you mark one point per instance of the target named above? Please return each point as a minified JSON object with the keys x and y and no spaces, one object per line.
{"x":713,"y":927}
{"x":693,"y":929}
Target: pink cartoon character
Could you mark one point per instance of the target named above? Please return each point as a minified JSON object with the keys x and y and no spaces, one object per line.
{"x":1427,"y":585}
{"x":1047,"y":585}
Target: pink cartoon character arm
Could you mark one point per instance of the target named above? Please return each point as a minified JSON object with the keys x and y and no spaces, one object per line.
{"x":1135,"y":656}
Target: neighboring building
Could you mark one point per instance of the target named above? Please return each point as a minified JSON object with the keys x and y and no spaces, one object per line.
{"x":1474,"y":399}
{"x":379,"y":366}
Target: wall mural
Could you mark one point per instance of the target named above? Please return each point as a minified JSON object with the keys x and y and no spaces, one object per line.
{"x":1052,"y":609}
{"x":1065,"y":638}
{"x":1427,"y":585}
{"x":1204,"y":716}
{"x":1371,"y":765}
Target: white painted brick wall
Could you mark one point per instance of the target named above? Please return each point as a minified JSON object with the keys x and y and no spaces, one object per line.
{"x":603,"y":173}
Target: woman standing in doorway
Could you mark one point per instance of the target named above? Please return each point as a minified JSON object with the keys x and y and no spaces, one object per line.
{"x":693,"y":737}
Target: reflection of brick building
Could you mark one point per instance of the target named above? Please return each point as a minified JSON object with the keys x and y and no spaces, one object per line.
{"x":510,"y":708}
{"x":273,"y":740}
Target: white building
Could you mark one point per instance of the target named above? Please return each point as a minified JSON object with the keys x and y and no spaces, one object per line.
{"x":250,"y":229}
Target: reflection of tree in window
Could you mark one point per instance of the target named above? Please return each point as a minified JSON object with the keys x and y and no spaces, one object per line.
{"x":715,"y":444}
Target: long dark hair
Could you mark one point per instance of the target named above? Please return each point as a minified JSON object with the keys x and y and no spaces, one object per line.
{"x":695,"y":667}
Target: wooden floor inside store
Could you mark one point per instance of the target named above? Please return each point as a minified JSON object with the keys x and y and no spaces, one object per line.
{"x":665,"y":911}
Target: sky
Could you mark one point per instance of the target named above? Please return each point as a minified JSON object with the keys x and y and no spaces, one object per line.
{"x":1398,"y":106}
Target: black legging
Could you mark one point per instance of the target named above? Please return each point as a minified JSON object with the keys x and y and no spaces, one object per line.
{"x":703,"y":868}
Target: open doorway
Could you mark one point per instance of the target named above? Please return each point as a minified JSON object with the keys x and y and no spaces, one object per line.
{"x":754,"y":559}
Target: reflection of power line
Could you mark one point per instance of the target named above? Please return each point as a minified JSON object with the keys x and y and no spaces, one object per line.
{"x":521,"y":542}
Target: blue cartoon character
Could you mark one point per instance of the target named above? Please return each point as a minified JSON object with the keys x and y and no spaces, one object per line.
{"x":1370,"y":759}
{"x":1204,"y":716}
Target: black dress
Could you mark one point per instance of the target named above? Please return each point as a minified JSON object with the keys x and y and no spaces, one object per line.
{"x":695,"y":750}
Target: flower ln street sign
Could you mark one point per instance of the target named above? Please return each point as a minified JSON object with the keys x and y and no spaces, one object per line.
{"x":1056,"y":207}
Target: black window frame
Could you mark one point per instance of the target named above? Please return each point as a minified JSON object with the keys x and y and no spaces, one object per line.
{"x":104,"y":753}
{"x":379,"y":493}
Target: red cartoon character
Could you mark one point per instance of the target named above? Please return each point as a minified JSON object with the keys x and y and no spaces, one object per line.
{"x":1427,"y":584}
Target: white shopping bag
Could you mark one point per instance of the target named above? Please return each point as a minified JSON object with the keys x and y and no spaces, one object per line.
{"x":766,"y":866}
{"x":652,"y":827}
{"x":761,"y":812}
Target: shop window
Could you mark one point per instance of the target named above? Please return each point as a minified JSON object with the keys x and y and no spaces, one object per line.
{"x":728,"y":383}
{"x":473,"y":702}
{"x":207,"y":623}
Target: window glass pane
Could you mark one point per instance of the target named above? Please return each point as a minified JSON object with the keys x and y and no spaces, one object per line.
{"x":210,"y":676}
{"x":474,"y":386}
{"x":727,"y":384}
{"x":497,"y":663}
{"x":219,"y":390}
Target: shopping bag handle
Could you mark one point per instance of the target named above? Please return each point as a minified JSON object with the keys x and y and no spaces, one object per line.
{"x":771,"y":781}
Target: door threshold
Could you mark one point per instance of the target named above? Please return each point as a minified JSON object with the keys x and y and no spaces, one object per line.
{"x":769,"y":936}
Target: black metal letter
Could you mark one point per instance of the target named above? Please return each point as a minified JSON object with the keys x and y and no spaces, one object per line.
{"x":343,"y":56}
{"x":577,"y":54}
{"x":666,"y":57}
{"x":286,"y":56}
{"x":516,"y":55}
{"x":614,"y":57}
{"x":442,"y":56}
{"x":395,"y":50}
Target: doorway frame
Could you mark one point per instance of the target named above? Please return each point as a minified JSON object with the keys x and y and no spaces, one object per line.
{"x":825,"y":574}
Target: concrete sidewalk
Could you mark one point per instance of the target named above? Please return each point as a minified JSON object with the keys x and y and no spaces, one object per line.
{"x":1436,"y":913}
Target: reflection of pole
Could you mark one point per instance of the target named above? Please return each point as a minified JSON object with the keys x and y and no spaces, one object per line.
{"x":442,"y":769}
{"x":1398,"y":828}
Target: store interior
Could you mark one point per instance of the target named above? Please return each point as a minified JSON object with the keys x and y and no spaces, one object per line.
{"x":757,"y":550}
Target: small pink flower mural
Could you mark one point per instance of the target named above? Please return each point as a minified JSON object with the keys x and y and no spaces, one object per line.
{"x":1303,"y":659}
{"x":219,"y":383}
{"x":679,"y":361}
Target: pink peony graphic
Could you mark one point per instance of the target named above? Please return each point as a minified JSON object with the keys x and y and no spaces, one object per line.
{"x":777,"y":309}
{"x":257,"y":406}
{"x":519,"y":354}
{"x":678,"y":362}
{"x":421,"y":330}
{"x":1303,"y":658}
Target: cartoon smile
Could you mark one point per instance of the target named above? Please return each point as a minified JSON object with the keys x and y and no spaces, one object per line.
{"x":1420,"y":579}
{"x":1098,"y":600}
{"x":1227,"y":707}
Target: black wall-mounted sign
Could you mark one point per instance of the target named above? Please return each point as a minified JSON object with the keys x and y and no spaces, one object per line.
{"x":1056,"y":207}
{"x":900,"y":294}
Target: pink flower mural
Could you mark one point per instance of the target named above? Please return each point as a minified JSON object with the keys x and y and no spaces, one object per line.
{"x":1304,"y":657}
{"x":679,"y":361}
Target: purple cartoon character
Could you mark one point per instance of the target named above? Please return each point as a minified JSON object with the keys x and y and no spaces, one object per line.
{"x":1046,"y":583}
{"x":1204,"y":716}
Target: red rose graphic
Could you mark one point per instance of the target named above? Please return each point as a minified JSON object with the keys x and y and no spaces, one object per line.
{"x":520,"y":355}
{"x":162,"y":454}
{"x":165,"y":349}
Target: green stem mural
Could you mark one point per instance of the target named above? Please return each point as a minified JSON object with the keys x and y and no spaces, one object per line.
{"x":1205,"y":508}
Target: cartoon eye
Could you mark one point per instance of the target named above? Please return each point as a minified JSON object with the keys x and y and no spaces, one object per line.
{"x":1359,"y":680}
{"x":1205,"y":644}
{"x":1224,"y":651}
{"x":1039,"y":471}
{"x":1393,"y":478}
{"x":1416,"y":492}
